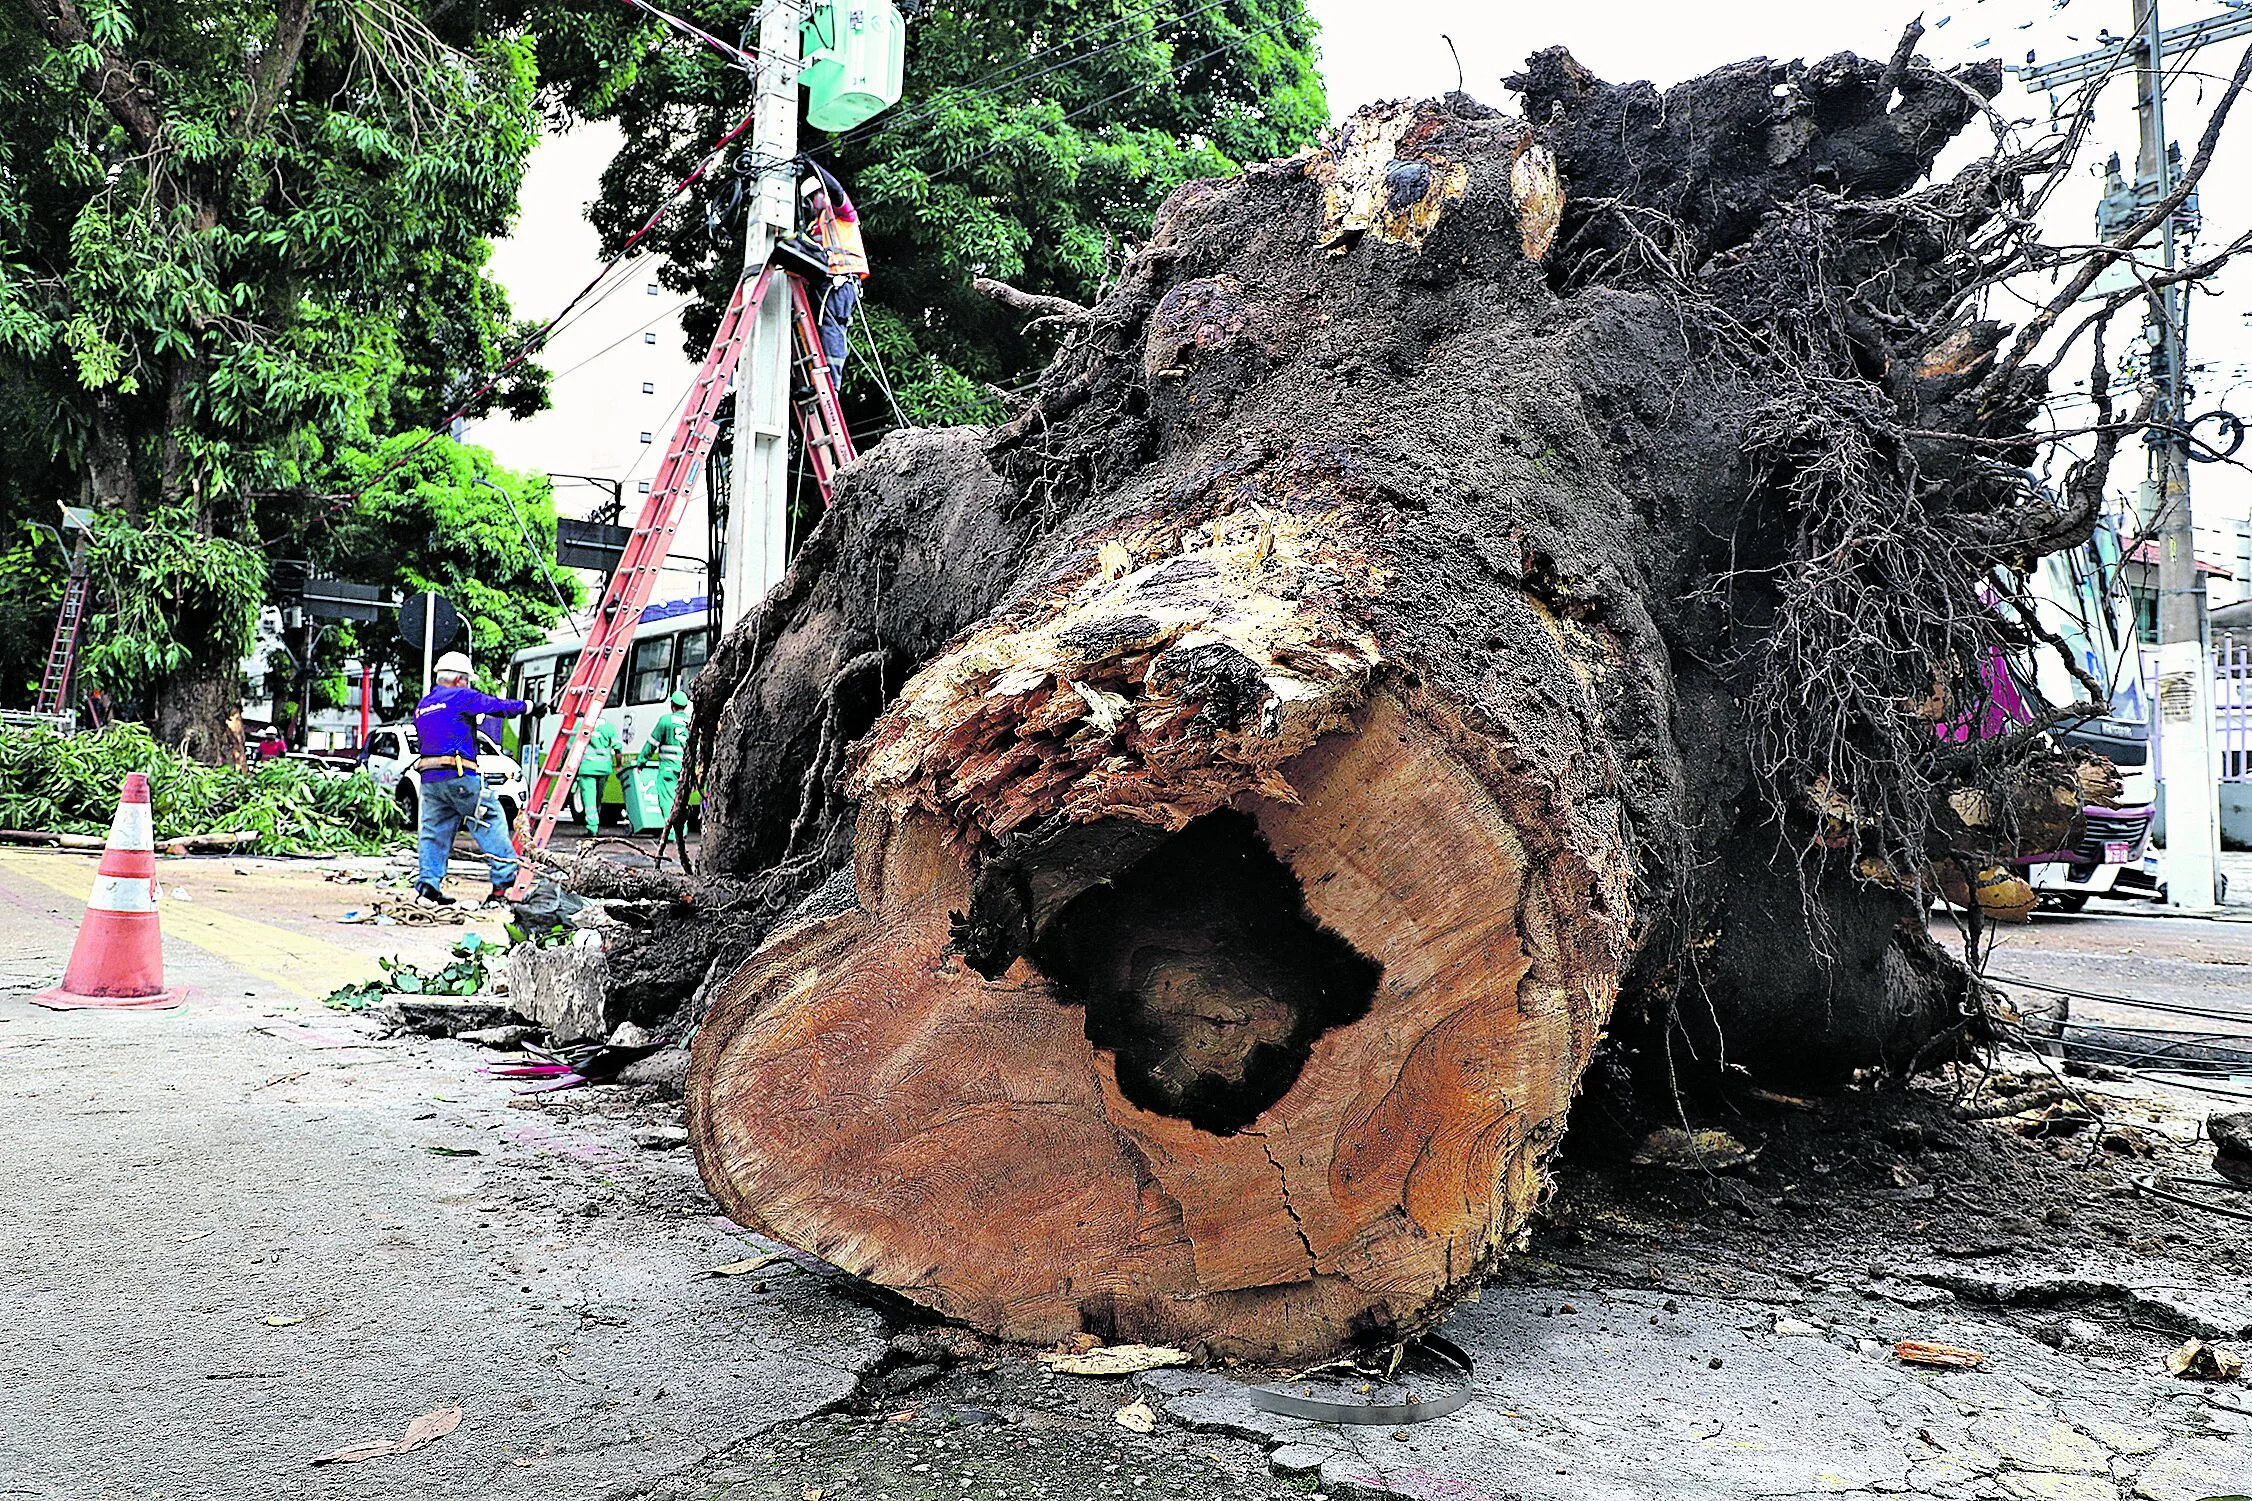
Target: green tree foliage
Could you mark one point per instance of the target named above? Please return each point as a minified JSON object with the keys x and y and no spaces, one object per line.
{"x":444,"y":517}
{"x":1035,"y":141}
{"x":240,"y":243}
{"x":67,"y":784}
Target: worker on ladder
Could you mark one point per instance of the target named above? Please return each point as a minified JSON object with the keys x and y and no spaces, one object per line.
{"x":827,"y":218}
{"x":668,"y":744}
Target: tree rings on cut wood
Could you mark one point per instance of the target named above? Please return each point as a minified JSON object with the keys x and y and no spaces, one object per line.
{"x":1209,"y":981}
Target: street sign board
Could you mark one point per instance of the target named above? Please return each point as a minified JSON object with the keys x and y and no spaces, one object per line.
{"x":431,"y":615}
{"x":338,"y":599}
{"x":590,"y":544}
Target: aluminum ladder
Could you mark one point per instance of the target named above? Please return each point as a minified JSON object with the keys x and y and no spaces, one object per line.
{"x":62,"y":654}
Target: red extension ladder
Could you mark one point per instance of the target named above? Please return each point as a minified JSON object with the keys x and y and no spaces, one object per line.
{"x":62,"y":654}
{"x":828,"y":447}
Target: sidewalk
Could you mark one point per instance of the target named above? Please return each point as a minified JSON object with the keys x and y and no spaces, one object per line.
{"x":248,"y":1232}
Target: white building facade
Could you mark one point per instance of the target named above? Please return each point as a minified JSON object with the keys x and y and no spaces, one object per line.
{"x":620,"y":373}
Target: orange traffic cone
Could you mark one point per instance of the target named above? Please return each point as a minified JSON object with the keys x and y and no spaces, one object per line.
{"x":118,"y":959}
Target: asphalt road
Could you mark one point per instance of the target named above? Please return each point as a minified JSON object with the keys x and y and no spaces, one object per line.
{"x":252,"y":1231}
{"x":245,"y":1234}
{"x":2148,"y":989}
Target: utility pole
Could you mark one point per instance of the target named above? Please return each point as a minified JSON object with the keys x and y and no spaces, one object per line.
{"x":2185,"y":678}
{"x":758,"y":512}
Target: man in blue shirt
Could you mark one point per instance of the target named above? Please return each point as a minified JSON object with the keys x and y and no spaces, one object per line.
{"x":453,"y":794}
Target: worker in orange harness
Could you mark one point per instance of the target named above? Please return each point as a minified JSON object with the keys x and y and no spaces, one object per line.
{"x":827,"y":217}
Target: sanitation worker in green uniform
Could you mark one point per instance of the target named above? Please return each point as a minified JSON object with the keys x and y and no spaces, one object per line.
{"x":668,"y":743}
{"x":595,"y":767}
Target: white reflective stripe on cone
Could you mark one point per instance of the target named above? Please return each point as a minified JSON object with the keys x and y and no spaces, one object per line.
{"x":123,"y":894}
{"x":132,"y":829}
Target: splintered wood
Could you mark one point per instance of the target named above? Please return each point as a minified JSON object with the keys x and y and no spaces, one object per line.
{"x":1156,"y":694}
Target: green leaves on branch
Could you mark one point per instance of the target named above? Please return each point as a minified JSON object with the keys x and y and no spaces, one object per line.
{"x":1035,"y":143}
{"x":447,"y":518}
{"x":164,"y":590}
{"x":68,"y":784}
{"x":215,"y":286}
{"x":470,"y":973}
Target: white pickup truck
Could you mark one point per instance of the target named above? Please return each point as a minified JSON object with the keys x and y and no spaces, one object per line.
{"x":391,"y":754}
{"x":2113,"y":857}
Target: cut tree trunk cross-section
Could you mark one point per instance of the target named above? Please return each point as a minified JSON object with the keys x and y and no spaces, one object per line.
{"x":1261,"y":1031}
{"x":1269,"y":763}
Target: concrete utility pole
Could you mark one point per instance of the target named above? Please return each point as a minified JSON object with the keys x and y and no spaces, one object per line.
{"x":758,"y":512}
{"x":2185,"y":682}
{"x":2185,"y":678}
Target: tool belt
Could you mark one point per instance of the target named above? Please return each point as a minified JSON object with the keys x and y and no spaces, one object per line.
{"x":459,"y":764}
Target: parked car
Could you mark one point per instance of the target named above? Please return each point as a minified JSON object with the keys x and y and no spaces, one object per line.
{"x":391,"y":754}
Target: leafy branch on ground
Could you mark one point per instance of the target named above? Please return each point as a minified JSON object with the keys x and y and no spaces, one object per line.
{"x":470,"y":973}
{"x":68,"y":784}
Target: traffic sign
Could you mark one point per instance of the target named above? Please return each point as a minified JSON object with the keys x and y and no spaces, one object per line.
{"x":340,"y":599}
{"x":432,"y":616}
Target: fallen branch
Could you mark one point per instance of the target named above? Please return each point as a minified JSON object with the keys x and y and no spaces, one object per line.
{"x":2017,"y":1104}
{"x":188,"y":842}
{"x":179,"y":846}
{"x":1040,"y":304}
{"x":42,"y":836}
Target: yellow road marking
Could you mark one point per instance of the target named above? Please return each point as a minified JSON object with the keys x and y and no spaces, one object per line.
{"x":292,"y":962}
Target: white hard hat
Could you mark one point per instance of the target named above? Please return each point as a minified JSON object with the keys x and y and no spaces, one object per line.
{"x":454,"y":661}
{"x":811,"y":186}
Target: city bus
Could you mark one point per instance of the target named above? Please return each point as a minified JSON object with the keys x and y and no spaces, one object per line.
{"x":670,"y":647}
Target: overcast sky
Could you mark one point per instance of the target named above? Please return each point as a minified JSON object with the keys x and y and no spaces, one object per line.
{"x":1379,"y":49}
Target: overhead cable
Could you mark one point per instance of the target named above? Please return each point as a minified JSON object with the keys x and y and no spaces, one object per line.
{"x":539,"y":337}
{"x":746,"y":60}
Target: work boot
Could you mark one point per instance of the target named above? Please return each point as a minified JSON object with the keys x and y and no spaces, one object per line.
{"x":430,"y":896}
{"x":495,"y":900}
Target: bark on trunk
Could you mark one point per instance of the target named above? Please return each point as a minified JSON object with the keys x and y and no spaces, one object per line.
{"x":198,"y":710}
{"x":1326,"y":714}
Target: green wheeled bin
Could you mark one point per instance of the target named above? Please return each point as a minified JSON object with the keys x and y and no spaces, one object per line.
{"x":645,"y":811}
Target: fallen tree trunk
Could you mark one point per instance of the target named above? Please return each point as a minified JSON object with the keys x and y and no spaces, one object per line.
{"x":1262,"y":1006}
{"x":1268,"y":765}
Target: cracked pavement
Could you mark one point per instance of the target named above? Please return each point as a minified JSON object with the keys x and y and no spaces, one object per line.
{"x":243,"y":1234}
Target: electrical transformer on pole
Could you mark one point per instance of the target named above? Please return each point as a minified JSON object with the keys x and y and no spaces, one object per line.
{"x":853,"y":66}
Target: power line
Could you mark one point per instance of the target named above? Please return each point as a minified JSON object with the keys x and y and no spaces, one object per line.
{"x":876,"y":357}
{"x":747,"y":61}
{"x":622,"y":338}
{"x":540,"y":336}
{"x":2203,"y":1013}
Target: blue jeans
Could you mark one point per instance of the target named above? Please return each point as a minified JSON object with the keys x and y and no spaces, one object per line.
{"x":446,"y":806}
{"x":836,"y":316}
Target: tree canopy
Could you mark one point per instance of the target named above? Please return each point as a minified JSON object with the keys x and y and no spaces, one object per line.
{"x":242,"y":252}
{"x":1035,"y":141}
{"x":444,"y":517}
{"x":240,"y":245}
